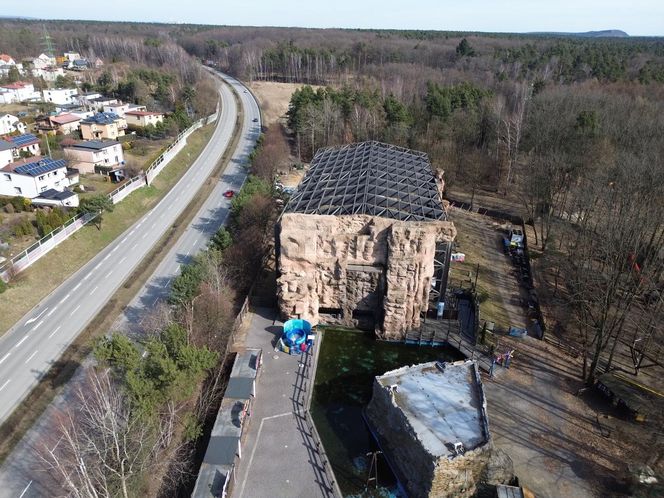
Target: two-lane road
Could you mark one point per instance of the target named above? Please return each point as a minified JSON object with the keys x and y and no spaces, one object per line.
{"x":29,"y":349}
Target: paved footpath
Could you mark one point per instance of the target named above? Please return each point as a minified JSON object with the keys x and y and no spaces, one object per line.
{"x":279,"y":455}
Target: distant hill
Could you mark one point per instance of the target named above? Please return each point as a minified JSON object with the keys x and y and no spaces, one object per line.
{"x":607,"y":33}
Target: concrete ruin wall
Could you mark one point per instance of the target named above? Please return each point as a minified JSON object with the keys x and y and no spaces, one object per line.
{"x":322,"y":263}
{"x":422,"y":474}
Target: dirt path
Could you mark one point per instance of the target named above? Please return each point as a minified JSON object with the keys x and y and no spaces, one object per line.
{"x":551,"y":434}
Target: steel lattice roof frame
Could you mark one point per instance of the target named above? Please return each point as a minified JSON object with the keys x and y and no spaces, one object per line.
{"x":370,"y":178}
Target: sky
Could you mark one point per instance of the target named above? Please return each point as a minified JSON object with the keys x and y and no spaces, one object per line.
{"x":636,"y":17}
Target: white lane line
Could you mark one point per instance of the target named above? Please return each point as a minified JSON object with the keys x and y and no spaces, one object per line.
{"x":21,"y":341}
{"x":97,"y":267}
{"x":3,"y":386}
{"x":64,"y":299}
{"x":4,"y":358}
{"x":76,"y":287}
{"x":132,"y":231}
{"x":37,"y":326}
{"x":123,"y":240}
{"x":145,"y":235}
{"x":133,"y":247}
{"x":115,"y":249}
{"x":26,"y":489}
{"x":195,"y":242}
{"x":107,"y":256}
{"x":87,"y":276}
{"x":52,"y":311}
{"x":187,"y":253}
{"x":94,"y":290}
{"x":31,"y":357}
{"x":53,"y":333}
{"x":109,"y":274}
{"x":28,"y":322}
{"x":75,"y":310}
{"x":122,"y":260}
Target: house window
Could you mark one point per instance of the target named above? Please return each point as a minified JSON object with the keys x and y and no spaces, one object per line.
{"x":43,"y":189}
{"x":41,"y":177}
{"x":8,"y":177}
{"x":57,"y":184}
{"x":17,"y":190}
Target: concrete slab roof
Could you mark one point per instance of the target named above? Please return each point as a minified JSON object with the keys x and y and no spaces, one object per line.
{"x":246,"y":364}
{"x":443,"y":402}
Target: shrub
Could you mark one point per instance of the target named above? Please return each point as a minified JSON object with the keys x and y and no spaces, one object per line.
{"x":3,"y":286}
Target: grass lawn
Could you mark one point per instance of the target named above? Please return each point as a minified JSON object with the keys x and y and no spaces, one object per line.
{"x":499,"y":292}
{"x":45,"y":275}
{"x":96,"y":184}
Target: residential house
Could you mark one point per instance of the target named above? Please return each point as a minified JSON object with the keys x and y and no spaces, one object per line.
{"x":85,"y":97}
{"x":25,"y":145}
{"x":62,"y":123}
{"x":18,"y":92}
{"x":96,"y":156}
{"x":6,"y":155}
{"x":118,"y":108}
{"x":79,"y":65}
{"x":7,"y":59}
{"x":141,"y":119}
{"x":98,"y":63}
{"x":31,"y":177}
{"x":49,"y":74}
{"x":43,"y":61}
{"x":60,"y":95}
{"x":71,"y":56}
{"x":10,"y":124}
{"x":100,"y":102}
{"x":103,"y":125}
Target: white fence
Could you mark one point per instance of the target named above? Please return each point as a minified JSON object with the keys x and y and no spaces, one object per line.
{"x":52,"y":239}
{"x":44,"y":245}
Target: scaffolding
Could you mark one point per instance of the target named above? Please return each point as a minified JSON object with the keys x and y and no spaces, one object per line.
{"x":370,"y":178}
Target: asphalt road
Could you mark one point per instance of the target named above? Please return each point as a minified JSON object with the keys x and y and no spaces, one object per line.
{"x":37,"y":340}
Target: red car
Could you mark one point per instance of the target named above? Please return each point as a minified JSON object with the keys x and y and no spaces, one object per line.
{"x":229,"y":193}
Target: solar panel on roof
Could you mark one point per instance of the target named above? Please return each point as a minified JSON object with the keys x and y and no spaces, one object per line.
{"x":40,"y":167}
{"x":21,"y":140}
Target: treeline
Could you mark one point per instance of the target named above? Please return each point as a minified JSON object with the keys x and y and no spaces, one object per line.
{"x":127,"y":50}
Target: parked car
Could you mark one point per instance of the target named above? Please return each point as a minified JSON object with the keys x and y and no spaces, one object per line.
{"x":229,"y":193}
{"x":255,"y":120}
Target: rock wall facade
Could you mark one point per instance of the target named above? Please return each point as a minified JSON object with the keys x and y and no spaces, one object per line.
{"x":357,"y":264}
{"x":422,"y":474}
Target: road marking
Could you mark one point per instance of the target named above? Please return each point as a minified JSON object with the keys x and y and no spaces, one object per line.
{"x":26,"y":488}
{"x":195,"y":242}
{"x":31,"y":357}
{"x":93,"y":290}
{"x":87,"y":276}
{"x":115,"y":249}
{"x":97,"y":267}
{"x":253,"y":451}
{"x":53,"y":333}
{"x":132,"y":231}
{"x":123,"y":240}
{"x":28,"y":322}
{"x":3,"y":386}
{"x":144,"y":235}
{"x":133,"y":247}
{"x":109,"y":274}
{"x":122,"y":260}
{"x":21,"y":341}
{"x":107,"y":256}
{"x":37,"y":326}
{"x":51,"y":312}
{"x":187,"y":253}
{"x":64,"y":299}
{"x":75,"y":310}
{"x":77,"y":286}
{"x":4,"y":358}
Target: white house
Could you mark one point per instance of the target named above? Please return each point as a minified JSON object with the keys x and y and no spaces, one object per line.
{"x":17,"y":92}
{"x":60,"y":95}
{"x":49,"y":74}
{"x":43,"y":61}
{"x":31,"y":177}
{"x":7,"y":59}
{"x":118,"y":108}
{"x":10,"y":124}
{"x":6,"y":154}
{"x":95,"y":156}
{"x":102,"y":101}
{"x":72,"y":56}
{"x":28,"y":144}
